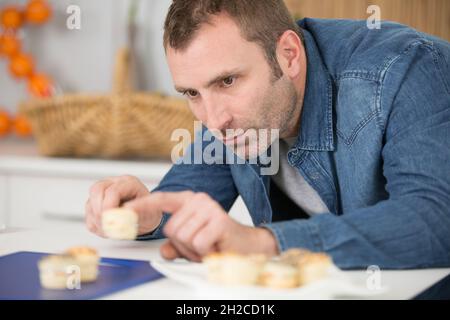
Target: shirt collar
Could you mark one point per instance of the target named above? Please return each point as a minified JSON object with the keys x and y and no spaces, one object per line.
{"x":316,"y":126}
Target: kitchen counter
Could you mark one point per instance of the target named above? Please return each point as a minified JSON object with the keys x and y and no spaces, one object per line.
{"x":22,"y":157}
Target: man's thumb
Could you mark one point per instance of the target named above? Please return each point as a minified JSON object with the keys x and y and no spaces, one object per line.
{"x":168,"y":251}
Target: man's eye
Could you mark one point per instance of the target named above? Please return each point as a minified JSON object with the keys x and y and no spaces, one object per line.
{"x":228,"y":81}
{"x":191,"y":93}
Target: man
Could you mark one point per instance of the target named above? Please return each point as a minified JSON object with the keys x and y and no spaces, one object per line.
{"x":364,"y":122}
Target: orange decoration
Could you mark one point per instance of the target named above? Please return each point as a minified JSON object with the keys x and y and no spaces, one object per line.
{"x":9,"y":45}
{"x":21,"y":65}
{"x":21,"y":126}
{"x":11,"y":17}
{"x":40,"y":85}
{"x":37,"y":12}
{"x":5,"y":123}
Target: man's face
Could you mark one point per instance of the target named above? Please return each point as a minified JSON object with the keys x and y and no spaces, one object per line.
{"x":230,"y":85}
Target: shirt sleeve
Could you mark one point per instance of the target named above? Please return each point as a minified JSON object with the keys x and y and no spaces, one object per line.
{"x":411,"y":229}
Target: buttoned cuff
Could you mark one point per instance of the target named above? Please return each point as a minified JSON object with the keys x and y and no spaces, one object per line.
{"x":296,"y":234}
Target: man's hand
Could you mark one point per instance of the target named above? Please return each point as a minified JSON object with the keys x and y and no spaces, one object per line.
{"x":112,"y":193}
{"x":199,"y":226}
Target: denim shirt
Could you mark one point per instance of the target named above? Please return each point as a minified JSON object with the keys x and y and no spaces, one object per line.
{"x":374,"y":142}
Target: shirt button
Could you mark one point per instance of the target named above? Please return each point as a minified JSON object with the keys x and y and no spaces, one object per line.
{"x":314,"y":175}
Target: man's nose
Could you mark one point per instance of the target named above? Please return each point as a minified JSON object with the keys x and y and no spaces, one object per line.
{"x":217,"y":117}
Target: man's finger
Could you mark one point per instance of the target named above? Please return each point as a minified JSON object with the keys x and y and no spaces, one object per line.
{"x":97,"y":194}
{"x":90,"y":217}
{"x":92,"y":227}
{"x":169,"y":202}
{"x":177,"y":221}
{"x":208,"y":239}
{"x":168,"y":251}
{"x":142,"y":204}
{"x":190,"y":227}
{"x":185,"y":251}
{"x":175,"y":249}
{"x":118,"y":193}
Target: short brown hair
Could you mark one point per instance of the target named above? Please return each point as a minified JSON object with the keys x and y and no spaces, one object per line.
{"x":260,"y":21}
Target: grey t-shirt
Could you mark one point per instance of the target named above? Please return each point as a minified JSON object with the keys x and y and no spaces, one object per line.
{"x":292,"y":183}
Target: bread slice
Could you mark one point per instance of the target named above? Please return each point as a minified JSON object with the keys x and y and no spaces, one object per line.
{"x":279,"y":275}
{"x":88,"y":260}
{"x":311,"y":266}
{"x":234,"y":269}
{"x":293,"y":268}
{"x":54,"y":271}
{"x":120,"y":224}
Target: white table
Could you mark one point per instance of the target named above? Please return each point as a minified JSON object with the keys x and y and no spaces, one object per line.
{"x":58,"y":237}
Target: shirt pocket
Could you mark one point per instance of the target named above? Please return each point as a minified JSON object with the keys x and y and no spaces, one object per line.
{"x":356,"y":106}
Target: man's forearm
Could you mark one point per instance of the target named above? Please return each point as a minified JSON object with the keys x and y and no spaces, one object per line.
{"x":392,"y":234}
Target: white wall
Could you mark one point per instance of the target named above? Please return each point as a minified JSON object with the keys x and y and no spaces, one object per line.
{"x":82,"y":60}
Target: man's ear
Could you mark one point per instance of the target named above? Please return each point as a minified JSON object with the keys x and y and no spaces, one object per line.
{"x":290,"y":53}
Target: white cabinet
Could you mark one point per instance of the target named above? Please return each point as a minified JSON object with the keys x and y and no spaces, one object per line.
{"x":38,"y":199}
{"x":36,"y":191}
{"x":34,"y":200}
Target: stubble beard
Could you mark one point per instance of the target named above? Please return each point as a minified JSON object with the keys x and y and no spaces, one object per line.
{"x":278,"y":112}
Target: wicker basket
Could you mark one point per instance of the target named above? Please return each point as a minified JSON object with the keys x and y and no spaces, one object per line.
{"x":124,"y":124}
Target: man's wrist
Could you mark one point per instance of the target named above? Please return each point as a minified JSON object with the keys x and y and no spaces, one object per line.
{"x":267,"y":242}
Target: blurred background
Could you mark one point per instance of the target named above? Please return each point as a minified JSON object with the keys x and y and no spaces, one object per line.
{"x":82,"y":60}
{"x":430,"y":16}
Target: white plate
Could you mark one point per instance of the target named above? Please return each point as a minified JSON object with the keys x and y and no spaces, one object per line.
{"x":336,"y":285}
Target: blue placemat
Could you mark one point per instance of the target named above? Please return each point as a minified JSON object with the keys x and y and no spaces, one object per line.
{"x":19,"y":278}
